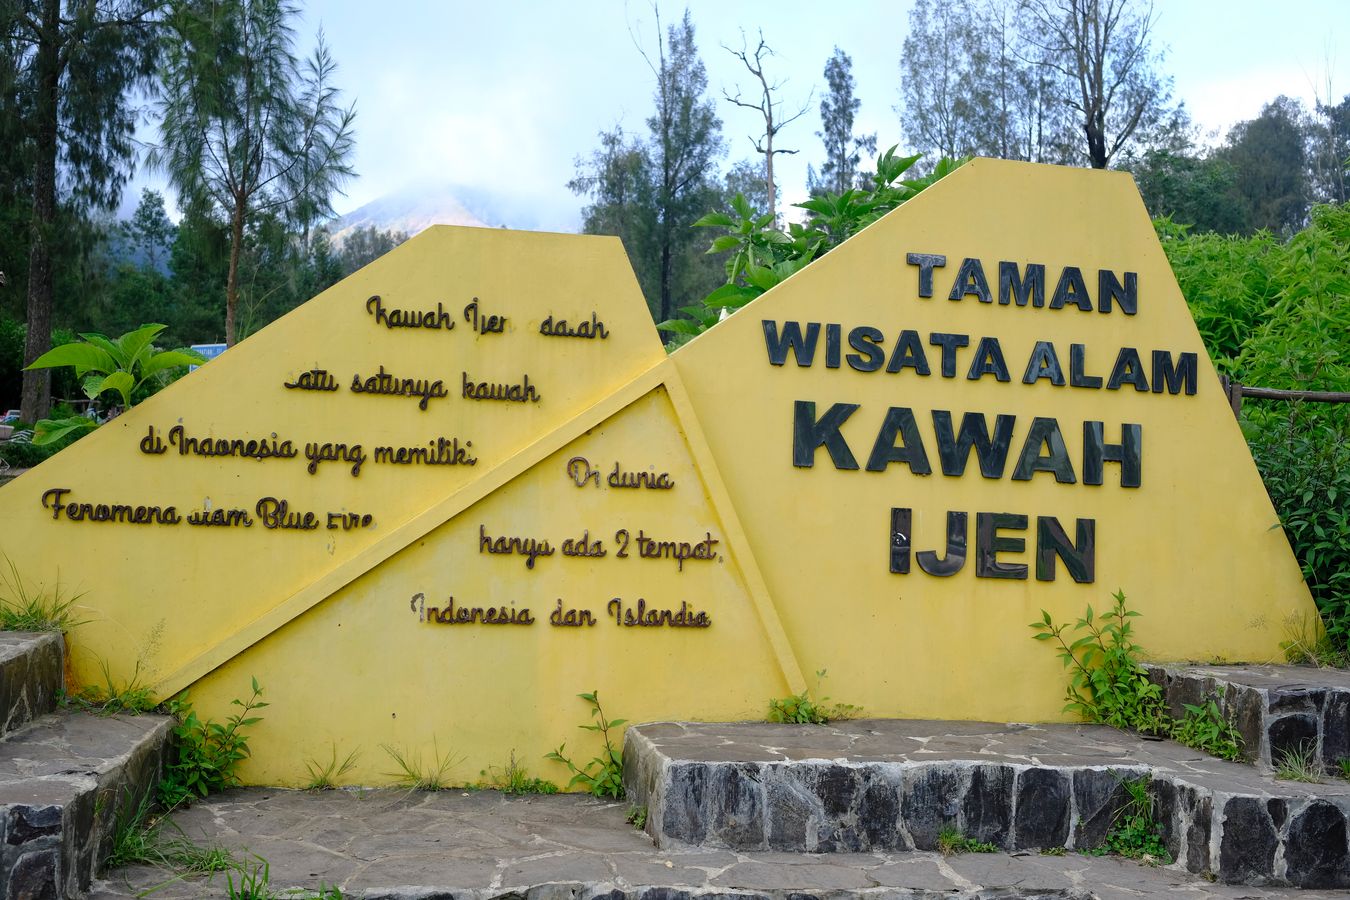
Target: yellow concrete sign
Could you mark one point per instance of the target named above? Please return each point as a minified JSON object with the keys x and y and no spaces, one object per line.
{"x":436,"y":502}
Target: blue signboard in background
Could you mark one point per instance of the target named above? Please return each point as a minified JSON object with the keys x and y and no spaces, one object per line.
{"x":210,"y":351}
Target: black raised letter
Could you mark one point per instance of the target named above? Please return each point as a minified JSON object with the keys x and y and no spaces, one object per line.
{"x":808,"y":434}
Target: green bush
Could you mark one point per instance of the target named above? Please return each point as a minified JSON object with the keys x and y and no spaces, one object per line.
{"x":1277,"y":315}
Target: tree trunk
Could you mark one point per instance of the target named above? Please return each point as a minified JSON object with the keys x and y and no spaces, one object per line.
{"x":232,"y":280}
{"x":36,"y":397}
{"x":665,"y":271}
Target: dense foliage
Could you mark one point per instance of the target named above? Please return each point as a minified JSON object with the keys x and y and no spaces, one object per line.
{"x":1277,"y":315}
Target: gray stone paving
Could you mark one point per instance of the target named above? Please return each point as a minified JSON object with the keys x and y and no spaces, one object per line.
{"x":481,"y":845}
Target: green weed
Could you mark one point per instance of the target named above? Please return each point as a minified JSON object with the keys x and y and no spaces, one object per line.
{"x":207,"y":754}
{"x":801,"y":709}
{"x":1107,"y":684}
{"x":1343,"y":767}
{"x":1206,"y":728}
{"x":1053,"y":851}
{"x":24,"y":609}
{"x":110,"y":699}
{"x":603,"y":775}
{"x":324,"y":777}
{"x":1300,"y":764}
{"x":951,"y":841}
{"x":514,"y":779}
{"x":1135,"y":833}
{"x":637,"y":817}
{"x":416,"y":776}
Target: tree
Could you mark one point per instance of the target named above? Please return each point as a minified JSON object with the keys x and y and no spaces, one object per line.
{"x":769,"y":110}
{"x":75,"y":66}
{"x":843,"y":149}
{"x":1330,"y":154}
{"x":1103,"y":48}
{"x":1199,"y":190}
{"x":937,"y":88}
{"x":617,"y":177}
{"x":649,"y":192}
{"x":1269,"y":162}
{"x":686,"y":139}
{"x":245,"y":128}
{"x":149,"y":231}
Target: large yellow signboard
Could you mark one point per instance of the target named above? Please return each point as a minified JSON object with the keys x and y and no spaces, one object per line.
{"x":445,"y":496}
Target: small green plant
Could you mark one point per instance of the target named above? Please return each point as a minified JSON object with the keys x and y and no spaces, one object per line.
{"x":1107,"y":684}
{"x":414,"y":775}
{"x":1053,"y":851}
{"x":255,"y":881}
{"x":603,"y":775}
{"x":324,"y":776}
{"x":1205,"y":727}
{"x":1135,"y":833}
{"x":110,"y":699}
{"x":637,"y":817}
{"x":514,"y":779}
{"x":951,"y":841}
{"x":207,"y":754}
{"x":1299,"y":764}
{"x":800,"y":709}
{"x":25,"y":609}
{"x":1343,"y":767}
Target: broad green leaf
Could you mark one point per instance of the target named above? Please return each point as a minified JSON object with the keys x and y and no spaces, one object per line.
{"x":123,"y":383}
{"x":135,"y":343}
{"x":170,"y":359}
{"x":84,"y":357}
{"x":49,"y":431}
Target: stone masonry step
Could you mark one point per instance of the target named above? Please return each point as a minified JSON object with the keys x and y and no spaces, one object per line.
{"x":886,"y":785}
{"x":483,"y":845}
{"x":1277,"y":709}
{"x":30,"y":677}
{"x":64,"y":780}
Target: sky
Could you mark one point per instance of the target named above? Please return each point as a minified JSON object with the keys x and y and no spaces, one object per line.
{"x":505,"y":96}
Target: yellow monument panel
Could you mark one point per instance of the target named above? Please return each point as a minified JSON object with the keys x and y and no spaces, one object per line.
{"x":1007,"y":358}
{"x":436,"y":502}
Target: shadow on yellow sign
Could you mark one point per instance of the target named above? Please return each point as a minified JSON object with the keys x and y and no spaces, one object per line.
{"x":435,"y":503}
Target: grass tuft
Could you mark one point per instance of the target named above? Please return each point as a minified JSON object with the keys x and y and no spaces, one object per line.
{"x":1300,"y":764}
{"x":416,"y":776}
{"x":24,"y":609}
{"x":514,"y":779}
{"x":324,"y":777}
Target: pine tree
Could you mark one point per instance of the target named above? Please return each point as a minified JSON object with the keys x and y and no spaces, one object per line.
{"x":843,"y":149}
{"x":73,"y":70}
{"x":247,"y":130}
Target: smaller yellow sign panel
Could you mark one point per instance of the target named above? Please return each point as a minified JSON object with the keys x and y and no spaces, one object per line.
{"x":602,"y":566}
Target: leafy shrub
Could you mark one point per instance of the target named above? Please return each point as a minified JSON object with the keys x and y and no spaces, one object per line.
{"x":603,"y":775}
{"x":762,"y":255}
{"x":1277,"y":315}
{"x":1106,"y":683}
{"x":206,"y":754}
